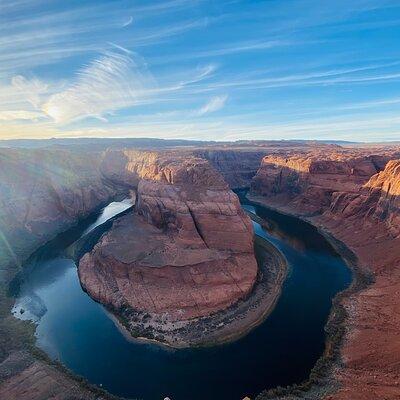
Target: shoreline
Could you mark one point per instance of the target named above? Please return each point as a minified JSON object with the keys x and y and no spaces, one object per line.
{"x":320,"y":376}
{"x":321,"y":381}
{"x":222,"y":327}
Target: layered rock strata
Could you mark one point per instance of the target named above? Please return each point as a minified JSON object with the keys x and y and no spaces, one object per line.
{"x":306,"y":182}
{"x":369,"y":223}
{"x":357,"y":201}
{"x":187,"y":250}
{"x":24,"y":377}
{"x":238,"y":167}
{"x":45,"y":192}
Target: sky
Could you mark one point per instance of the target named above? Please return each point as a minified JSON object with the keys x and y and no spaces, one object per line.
{"x":200,"y":69}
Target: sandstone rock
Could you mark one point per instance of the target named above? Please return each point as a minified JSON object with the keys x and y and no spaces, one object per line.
{"x":186,"y":252}
{"x":357,"y":202}
{"x":24,"y":378}
{"x":45,"y":192}
{"x":306,"y":181}
{"x":237,"y":167}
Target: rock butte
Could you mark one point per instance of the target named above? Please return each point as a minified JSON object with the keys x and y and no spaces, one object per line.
{"x":186,"y":251}
{"x":352,"y":193}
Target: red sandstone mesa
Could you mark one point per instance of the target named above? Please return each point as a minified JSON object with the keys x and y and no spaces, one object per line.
{"x":358,"y":203}
{"x":186,"y":252}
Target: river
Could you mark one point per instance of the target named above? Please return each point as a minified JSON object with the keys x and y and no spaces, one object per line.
{"x":74,"y":329}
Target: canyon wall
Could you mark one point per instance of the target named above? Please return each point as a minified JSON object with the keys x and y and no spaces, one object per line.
{"x":369,"y":223}
{"x":239,"y":164}
{"x":356,"y":199}
{"x":237,"y":167}
{"x":42,"y":193}
{"x":305,"y":182}
{"x":186,"y":251}
{"x":193,"y":245}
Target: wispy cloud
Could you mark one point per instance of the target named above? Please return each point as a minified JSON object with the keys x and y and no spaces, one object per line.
{"x":113,"y":81}
{"x":288,"y":65}
{"x":109,"y":83}
{"x":16,"y":115}
{"x":214,"y":104}
{"x":312,"y":78}
{"x":31,"y":90}
{"x":231,"y":48}
{"x":127,"y":22}
{"x":37,"y":35}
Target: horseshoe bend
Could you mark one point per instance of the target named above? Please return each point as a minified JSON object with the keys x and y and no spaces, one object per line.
{"x":199,"y":200}
{"x":185,"y":264}
{"x":185,"y":252}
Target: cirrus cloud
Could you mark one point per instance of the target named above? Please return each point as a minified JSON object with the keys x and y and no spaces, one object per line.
{"x":12,"y":115}
{"x":111,"y":82}
{"x":214,"y":104}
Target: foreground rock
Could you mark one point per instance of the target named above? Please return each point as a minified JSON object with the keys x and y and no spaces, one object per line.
{"x":185,"y":253}
{"x":357,"y":201}
{"x":24,"y":377}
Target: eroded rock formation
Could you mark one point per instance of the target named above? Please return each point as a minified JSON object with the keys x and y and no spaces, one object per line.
{"x":353,"y":194}
{"x":305,"y":182}
{"x":186,"y":252}
{"x":356,"y":200}
{"x":237,"y":167}
{"x":44,"y":192}
{"x":368,"y":222}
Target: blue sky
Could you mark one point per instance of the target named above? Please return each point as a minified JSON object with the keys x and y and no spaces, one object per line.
{"x":201,"y":69}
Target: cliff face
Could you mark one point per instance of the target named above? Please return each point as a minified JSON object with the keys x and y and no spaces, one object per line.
{"x":186,"y":252}
{"x":378,"y":200}
{"x":44,"y":192}
{"x":306,"y":182}
{"x":369,"y":222}
{"x":237,"y":167}
{"x":362,"y":209}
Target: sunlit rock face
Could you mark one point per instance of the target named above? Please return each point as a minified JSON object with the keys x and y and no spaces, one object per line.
{"x":305,"y":182}
{"x":354,"y":196}
{"x":369,"y":223}
{"x":186,"y":251}
{"x":44,"y":192}
{"x":378,"y":199}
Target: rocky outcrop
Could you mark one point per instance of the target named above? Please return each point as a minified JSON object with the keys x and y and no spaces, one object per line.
{"x":368,"y":222}
{"x":363,"y":212}
{"x":378,"y":200}
{"x":237,"y":167}
{"x":45,"y":192}
{"x":24,"y":377}
{"x":307,"y":181}
{"x":187,"y":250}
